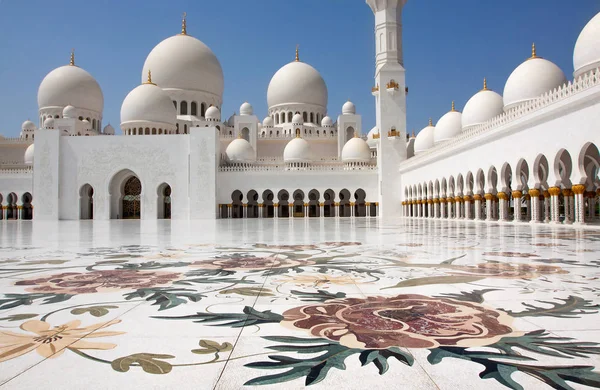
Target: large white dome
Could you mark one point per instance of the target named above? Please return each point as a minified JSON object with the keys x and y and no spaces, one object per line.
{"x":356,"y":150}
{"x":186,"y":63}
{"x":586,"y":56}
{"x":297,"y":150}
{"x":530,"y":80}
{"x":425,"y":139}
{"x":239,"y":151}
{"x":70,"y":85}
{"x":449,"y":126}
{"x":148,"y":103}
{"x":483,"y":106}
{"x":297,"y":83}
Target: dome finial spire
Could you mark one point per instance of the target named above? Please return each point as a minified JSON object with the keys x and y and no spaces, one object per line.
{"x":453,"y":109}
{"x":297,"y":53}
{"x":430,"y":122}
{"x":72,"y":62}
{"x":485,"y":88}
{"x":149,"y":81}
{"x":533,"y":53}
{"x":184,"y":24}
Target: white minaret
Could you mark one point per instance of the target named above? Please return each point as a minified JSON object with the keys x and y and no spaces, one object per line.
{"x":390,"y":95}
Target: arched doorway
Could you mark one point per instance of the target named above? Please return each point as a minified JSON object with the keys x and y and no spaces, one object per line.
{"x":237,"y":207}
{"x":344,"y":208}
{"x":360,"y":206}
{"x":11,"y":207}
{"x":131,"y":198}
{"x":268,"y":208}
{"x":349,"y":133}
{"x":284,"y":208}
{"x":252,"y":208}
{"x":313,"y":204}
{"x":246,"y":134}
{"x":27,"y":212}
{"x":298,"y":204}
{"x":329,"y":204}
{"x":86,"y":202}
{"x":164,"y":201}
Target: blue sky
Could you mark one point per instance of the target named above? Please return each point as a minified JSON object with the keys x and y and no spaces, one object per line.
{"x":449,"y":46}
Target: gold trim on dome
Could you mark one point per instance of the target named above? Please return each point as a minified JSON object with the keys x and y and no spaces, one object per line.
{"x":533,"y":52}
{"x":184,"y":24}
{"x":72,"y":60}
{"x":430,"y":122}
{"x":297,"y":53}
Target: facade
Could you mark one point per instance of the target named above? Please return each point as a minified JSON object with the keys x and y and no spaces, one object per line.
{"x":527,"y":155}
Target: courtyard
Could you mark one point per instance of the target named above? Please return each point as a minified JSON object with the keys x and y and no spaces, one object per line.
{"x":275,"y":303}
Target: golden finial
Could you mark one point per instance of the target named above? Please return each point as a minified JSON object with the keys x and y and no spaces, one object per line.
{"x":413,"y":134}
{"x":485,"y":88}
{"x":453,"y":109}
{"x":240,"y":135}
{"x":72,"y":62}
{"x":149,"y":81}
{"x":430,"y":122}
{"x":297,"y":53}
{"x":184,"y":24}
{"x":356,"y":134}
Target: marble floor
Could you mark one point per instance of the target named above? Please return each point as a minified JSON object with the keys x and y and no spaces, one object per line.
{"x":329,"y":304}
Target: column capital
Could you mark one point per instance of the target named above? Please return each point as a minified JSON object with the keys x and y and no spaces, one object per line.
{"x":502,"y":195}
{"x":436,"y":201}
{"x":489,"y":196}
{"x":467,"y":198}
{"x":554,"y":191}
{"x":567,"y":192}
{"x":458,"y":199}
{"x":534,"y":192}
{"x":546,"y":194}
{"x":477,"y":197}
{"x":517,"y":194}
{"x":578,"y":189}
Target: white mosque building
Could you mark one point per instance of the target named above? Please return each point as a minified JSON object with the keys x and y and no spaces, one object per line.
{"x":528,"y":155}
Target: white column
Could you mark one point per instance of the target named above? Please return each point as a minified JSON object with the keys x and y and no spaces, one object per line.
{"x":535,"y":205}
{"x":276,"y":210}
{"x":467,"y":200}
{"x":547,"y":207}
{"x":477,"y":198}
{"x":568,"y":204}
{"x":442,"y":208}
{"x":436,"y":208}
{"x":457,"y":208}
{"x":578,"y":190}
{"x":517,"y":196}
{"x":489,"y":214}
{"x":554,"y":206}
{"x":321,"y":209}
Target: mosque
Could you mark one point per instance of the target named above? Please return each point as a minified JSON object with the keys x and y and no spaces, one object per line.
{"x":528,"y":155}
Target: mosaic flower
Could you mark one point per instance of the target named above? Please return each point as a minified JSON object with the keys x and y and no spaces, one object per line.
{"x":510,"y":254}
{"x":411,"y":321}
{"x":52,"y":342}
{"x":249,"y":263}
{"x":304,"y":247}
{"x":99,"y":281}
{"x":510,"y":271}
{"x":319,"y":280}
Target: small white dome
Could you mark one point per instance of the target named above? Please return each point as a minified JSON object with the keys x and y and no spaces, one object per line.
{"x":183,"y":62}
{"x":29,"y":153}
{"x":424,"y":140}
{"x":70,"y":84}
{"x":28,"y":126}
{"x":49,"y":123}
{"x":530,"y":80}
{"x":326,"y":122}
{"x":586,"y":56}
{"x":246,"y":109}
{"x":239,"y":151}
{"x":297,"y":83}
{"x":148,"y":103}
{"x":483,"y":106}
{"x":297,"y":150}
{"x":213,"y":114}
{"x":70,"y":112}
{"x":85,"y":122}
{"x":109,"y":130}
{"x":348,"y":108}
{"x":268,"y":122}
{"x":448,"y":127}
{"x":356,"y":150}
{"x":297,"y":120}
{"x":371,"y":141}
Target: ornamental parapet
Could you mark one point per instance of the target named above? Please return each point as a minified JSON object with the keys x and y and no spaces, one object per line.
{"x":578,"y":189}
{"x":554,"y":191}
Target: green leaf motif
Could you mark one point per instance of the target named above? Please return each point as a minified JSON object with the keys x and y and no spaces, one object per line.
{"x":149,"y":362}
{"x":18,"y":317}
{"x":249,"y":317}
{"x":450,"y":279}
{"x":96,"y":311}
{"x":572,"y":307}
{"x":15,"y":300}
{"x":319,"y":296}
{"x":210,"y":347}
{"x":465,"y":296}
{"x":49,"y":262}
{"x":166,"y":298}
{"x":249,"y":292}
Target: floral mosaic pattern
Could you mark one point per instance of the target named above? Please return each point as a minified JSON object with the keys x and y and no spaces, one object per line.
{"x":293,"y":313}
